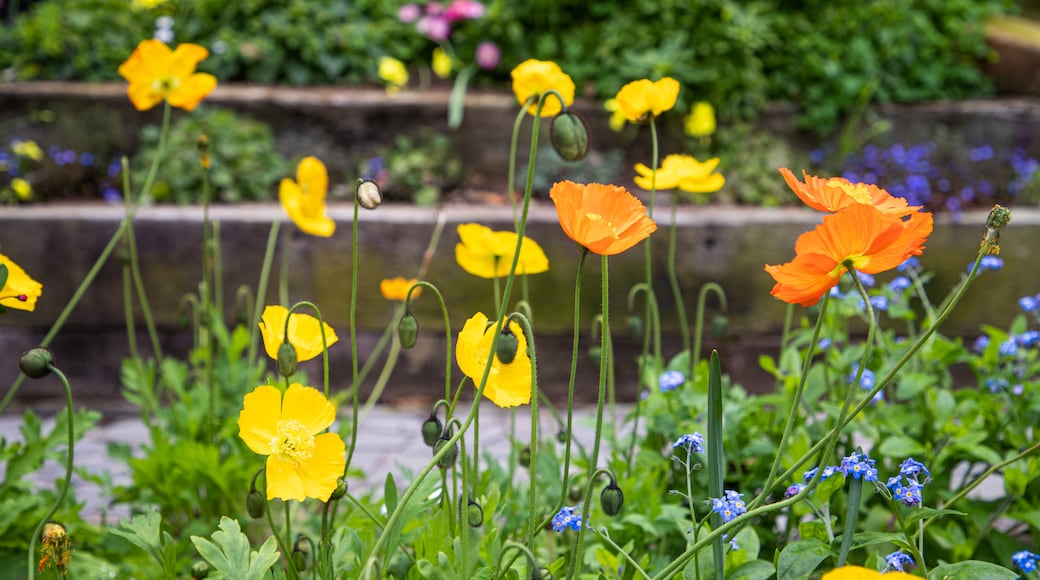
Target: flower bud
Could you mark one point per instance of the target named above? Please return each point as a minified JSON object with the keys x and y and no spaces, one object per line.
{"x":432,"y":429}
{"x":505,"y":350}
{"x":561,"y":436}
{"x":525,"y":457}
{"x":575,"y":493}
{"x":595,"y":352}
{"x":286,"y":359}
{"x":368,"y":194}
{"x":449,"y":458}
{"x":35,"y":362}
{"x":611,"y":499}
{"x":407,"y":330}
{"x":255,"y":504}
{"x":301,"y":553}
{"x":570,"y":136}
{"x":719,"y":324}
{"x":202,"y":145}
{"x":999,"y":217}
{"x":340,"y":491}
{"x":199,"y":570}
{"x":474,"y":514}
{"x":635,"y":326}
{"x":542,"y":573}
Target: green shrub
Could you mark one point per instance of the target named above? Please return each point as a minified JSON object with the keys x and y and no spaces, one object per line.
{"x":244,"y":163}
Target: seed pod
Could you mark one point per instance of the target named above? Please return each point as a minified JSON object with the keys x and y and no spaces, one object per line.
{"x":407,"y":330}
{"x":301,"y":553}
{"x":287,"y":359}
{"x":449,"y":458}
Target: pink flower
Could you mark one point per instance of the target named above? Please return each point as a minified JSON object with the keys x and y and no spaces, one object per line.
{"x":436,"y":28}
{"x":487,"y":55}
{"x":464,"y":10}
{"x":408,"y":13}
{"x":434,"y":8}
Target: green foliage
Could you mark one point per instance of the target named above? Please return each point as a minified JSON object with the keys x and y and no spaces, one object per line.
{"x":824,"y":56}
{"x":144,"y":532}
{"x":229,"y":552}
{"x":419,"y":169}
{"x":245,"y":166}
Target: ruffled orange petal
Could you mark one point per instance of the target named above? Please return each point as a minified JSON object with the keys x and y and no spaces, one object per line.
{"x":192,"y":90}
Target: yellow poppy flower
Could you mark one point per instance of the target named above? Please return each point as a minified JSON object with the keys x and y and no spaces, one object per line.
{"x":304,"y":199}
{"x":156,"y":73}
{"x":701,"y":120}
{"x":393,"y":73}
{"x":861,"y":573}
{"x":304,"y":333}
{"x":532,"y":77}
{"x":302,"y":461}
{"x":397,"y":288}
{"x":489,"y":254}
{"x":508,"y":385}
{"x":27,"y":149}
{"x":441,"y":64}
{"x":644,"y":98}
{"x":683,"y":172}
{"x":19,"y":291}
{"x":617,"y":118}
{"x":21,"y":188}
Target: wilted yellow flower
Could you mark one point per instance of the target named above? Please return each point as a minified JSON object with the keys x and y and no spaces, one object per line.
{"x":302,"y":461}
{"x":19,"y":291}
{"x":27,"y":149}
{"x":156,"y":73}
{"x":21,"y":188}
{"x":55,"y":548}
{"x":304,"y":199}
{"x":397,"y":288}
{"x":617,"y":118}
{"x":441,"y":64}
{"x":508,"y":385}
{"x":393,"y":73}
{"x":683,"y":172}
{"x":532,"y":77}
{"x":644,"y":98}
{"x":489,"y":254}
{"x":701,"y":120}
{"x":304,"y":333}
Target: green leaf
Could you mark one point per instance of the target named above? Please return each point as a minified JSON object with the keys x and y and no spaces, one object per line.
{"x":799,"y":559}
{"x":813,"y":530}
{"x":3,"y":276}
{"x":900,"y":447}
{"x":927,"y":512}
{"x":753,"y":570}
{"x":230,"y":554}
{"x":390,"y":493}
{"x":716,"y":458}
{"x":144,"y":532}
{"x":971,"y":570}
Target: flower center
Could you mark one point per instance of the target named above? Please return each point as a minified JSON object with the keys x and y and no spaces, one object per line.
{"x":293,"y":443}
{"x":165,"y":85}
{"x":856,"y":191}
{"x":594,"y":217}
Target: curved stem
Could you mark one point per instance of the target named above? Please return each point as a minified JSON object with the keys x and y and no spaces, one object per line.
{"x":673,"y":278}
{"x":510,"y":545}
{"x":261,"y":290}
{"x":583,"y":517}
{"x":70,"y":427}
{"x":698,"y":331}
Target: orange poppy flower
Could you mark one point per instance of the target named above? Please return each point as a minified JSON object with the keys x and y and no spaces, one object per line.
{"x":835,"y":193}
{"x":156,"y":73}
{"x":606,"y":219}
{"x":860,"y":236}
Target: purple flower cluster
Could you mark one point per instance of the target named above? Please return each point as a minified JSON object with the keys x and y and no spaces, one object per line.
{"x":434,"y":20}
{"x":566,"y":518}
{"x":899,"y":561}
{"x":858,"y":466}
{"x":906,"y":487}
{"x":1025,"y":560}
{"x":691,"y":442}
{"x":670,"y":380}
{"x":729,"y":506}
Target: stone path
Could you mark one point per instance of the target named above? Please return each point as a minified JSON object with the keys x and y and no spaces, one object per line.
{"x":388,"y":441}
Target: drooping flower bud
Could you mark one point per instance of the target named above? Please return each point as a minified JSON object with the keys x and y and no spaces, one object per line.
{"x":506,"y":348}
{"x":595,"y":352}
{"x":542,"y":573}
{"x":575,"y":493}
{"x":407,"y":330}
{"x":301,"y":552}
{"x":255,"y":505}
{"x":432,"y":429}
{"x":561,"y":436}
{"x":474,"y":514}
{"x":570,"y":136}
{"x":287,"y":359}
{"x":524,"y":458}
{"x":36,"y":362}
{"x":635,"y":326}
{"x":340,"y":491}
{"x":449,"y":458}
{"x":611,"y":499}
{"x":368,"y":194}
{"x":199,"y":570}
{"x":719,"y":324}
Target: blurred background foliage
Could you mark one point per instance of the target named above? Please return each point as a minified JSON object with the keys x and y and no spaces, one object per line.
{"x":823,"y":55}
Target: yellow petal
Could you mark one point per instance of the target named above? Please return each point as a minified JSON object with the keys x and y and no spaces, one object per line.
{"x":19,"y":284}
{"x":184,"y":59}
{"x":259,"y":417}
{"x":320,"y":474}
{"x":192,"y":90}
{"x":284,"y":482}
{"x":309,"y":407}
{"x":853,"y":573}
{"x":272,"y":329}
{"x":305,"y":335}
